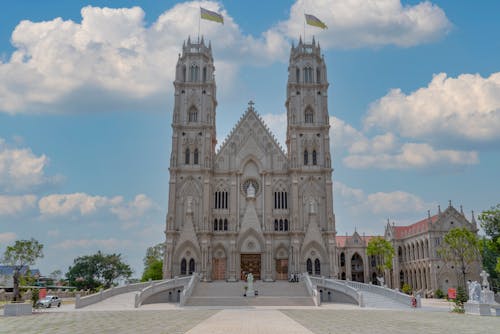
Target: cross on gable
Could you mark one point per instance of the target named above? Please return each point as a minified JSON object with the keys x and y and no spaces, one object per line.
{"x":250,"y":104}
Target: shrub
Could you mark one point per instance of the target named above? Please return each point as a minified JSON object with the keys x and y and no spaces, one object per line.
{"x":439,"y":294}
{"x":406,"y":288}
{"x":35,"y":296}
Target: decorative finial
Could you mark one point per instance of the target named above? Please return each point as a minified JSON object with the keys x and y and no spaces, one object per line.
{"x":429,"y":214}
{"x":449,"y":203}
{"x":473,"y":220}
{"x":250,"y":105}
{"x":439,"y":209}
{"x":461,"y":209}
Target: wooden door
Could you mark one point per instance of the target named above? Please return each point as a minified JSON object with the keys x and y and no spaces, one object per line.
{"x":250,"y":263}
{"x":282,"y":269}
{"x":219,"y":269}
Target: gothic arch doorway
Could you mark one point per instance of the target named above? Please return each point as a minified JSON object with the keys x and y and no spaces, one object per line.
{"x":357,"y":268}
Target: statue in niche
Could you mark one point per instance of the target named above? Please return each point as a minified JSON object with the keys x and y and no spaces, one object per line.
{"x":189,"y":205}
{"x":250,"y":191}
{"x":312,"y":208}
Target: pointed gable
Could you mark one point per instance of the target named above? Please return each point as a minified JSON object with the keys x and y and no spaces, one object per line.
{"x":250,"y":136}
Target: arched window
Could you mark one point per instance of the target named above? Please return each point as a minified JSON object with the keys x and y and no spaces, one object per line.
{"x":306,"y":157}
{"x":221,"y":200}
{"x":183,"y":267}
{"x":195,"y":156}
{"x":317,"y":267}
{"x":309,"y":115}
{"x":186,"y":158}
{"x":221,"y":226}
{"x":309,"y":266}
{"x":342,"y":259}
{"x":315,"y":160}
{"x":308,"y":75}
{"x":204,"y":74}
{"x":286,"y":225}
{"x":191,"y":266}
{"x":193,"y":114}
{"x":193,"y":73}
{"x":225,"y":224}
{"x":343,"y":276}
{"x":216,"y":227}
{"x":276,"y":226}
{"x":281,"y":224}
{"x":297,"y":74}
{"x":318,"y":75}
{"x":184,"y":73}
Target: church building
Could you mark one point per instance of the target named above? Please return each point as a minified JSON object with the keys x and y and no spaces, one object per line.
{"x":250,"y":206}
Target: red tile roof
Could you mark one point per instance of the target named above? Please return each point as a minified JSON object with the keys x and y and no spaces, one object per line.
{"x":418,"y":227}
{"x":342,"y":240}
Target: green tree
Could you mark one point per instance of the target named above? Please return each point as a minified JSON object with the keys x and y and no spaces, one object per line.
{"x":383,"y":252}
{"x":153,"y":263}
{"x":490,"y":246}
{"x":93,"y":271}
{"x":153,"y":271}
{"x":22,"y":253}
{"x":460,"y":247}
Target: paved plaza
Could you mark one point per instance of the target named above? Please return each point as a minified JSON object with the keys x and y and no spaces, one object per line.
{"x":293,"y":320}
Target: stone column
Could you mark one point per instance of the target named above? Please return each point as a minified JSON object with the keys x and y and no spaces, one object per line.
{"x":232,"y":261}
{"x":348,"y":272}
{"x":268,"y":277}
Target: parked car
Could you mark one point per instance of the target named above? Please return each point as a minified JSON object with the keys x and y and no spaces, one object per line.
{"x":49,"y":301}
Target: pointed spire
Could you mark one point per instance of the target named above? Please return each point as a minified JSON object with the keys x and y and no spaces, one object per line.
{"x":473,"y":219}
{"x":449,"y":203}
{"x":202,"y":40}
{"x":189,"y":40}
{"x":314,"y":40}
{"x":300,"y":40}
{"x":439,"y":209}
{"x":429,"y":214}
{"x":461,"y":209}
{"x":210,"y":45}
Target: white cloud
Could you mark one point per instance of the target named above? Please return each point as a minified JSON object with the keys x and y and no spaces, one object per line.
{"x":7,"y":237}
{"x":465,"y":108}
{"x":360,"y":23}
{"x":13,"y":205}
{"x":20,"y":169}
{"x":412,"y":155}
{"x":64,"y":204}
{"x":379,"y":203}
{"x":277,"y":125}
{"x":134,"y":209}
{"x":106,"y":244}
{"x":113,"y":53}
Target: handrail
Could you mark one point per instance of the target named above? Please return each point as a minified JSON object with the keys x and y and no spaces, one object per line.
{"x":159,"y":286}
{"x":340,"y":287}
{"x":380,"y":290}
{"x":311,"y":289}
{"x":104,"y":294}
{"x":188,"y":290}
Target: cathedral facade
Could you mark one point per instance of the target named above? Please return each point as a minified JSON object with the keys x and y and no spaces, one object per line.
{"x":250,"y":206}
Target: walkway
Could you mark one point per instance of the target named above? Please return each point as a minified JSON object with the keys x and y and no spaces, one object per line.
{"x":295,"y":320}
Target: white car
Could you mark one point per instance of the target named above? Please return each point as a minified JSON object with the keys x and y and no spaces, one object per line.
{"x":49,"y":301}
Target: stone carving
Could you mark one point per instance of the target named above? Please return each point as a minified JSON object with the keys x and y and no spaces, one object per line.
{"x":474,"y":292}
{"x":485,"y":284}
{"x":189,"y":205}
{"x":312,"y":208}
{"x":250,"y":191}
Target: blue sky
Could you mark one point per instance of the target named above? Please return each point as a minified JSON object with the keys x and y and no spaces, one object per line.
{"x":86,"y":100}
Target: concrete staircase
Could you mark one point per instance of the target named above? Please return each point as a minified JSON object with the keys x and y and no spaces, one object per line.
{"x":378,"y":301}
{"x":279,"y":293}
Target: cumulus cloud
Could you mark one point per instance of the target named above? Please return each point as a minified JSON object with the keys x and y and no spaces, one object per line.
{"x":360,"y":23}
{"x":412,"y":155}
{"x":21,"y":169}
{"x":134,"y":209}
{"x":465,"y":108}
{"x":379,"y":203}
{"x":84,"y":204}
{"x":113,"y":53}
{"x":7,"y":237}
{"x":13,"y":205}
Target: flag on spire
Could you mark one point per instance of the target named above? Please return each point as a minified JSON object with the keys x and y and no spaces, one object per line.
{"x":211,"y":16}
{"x":314,"y":21}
